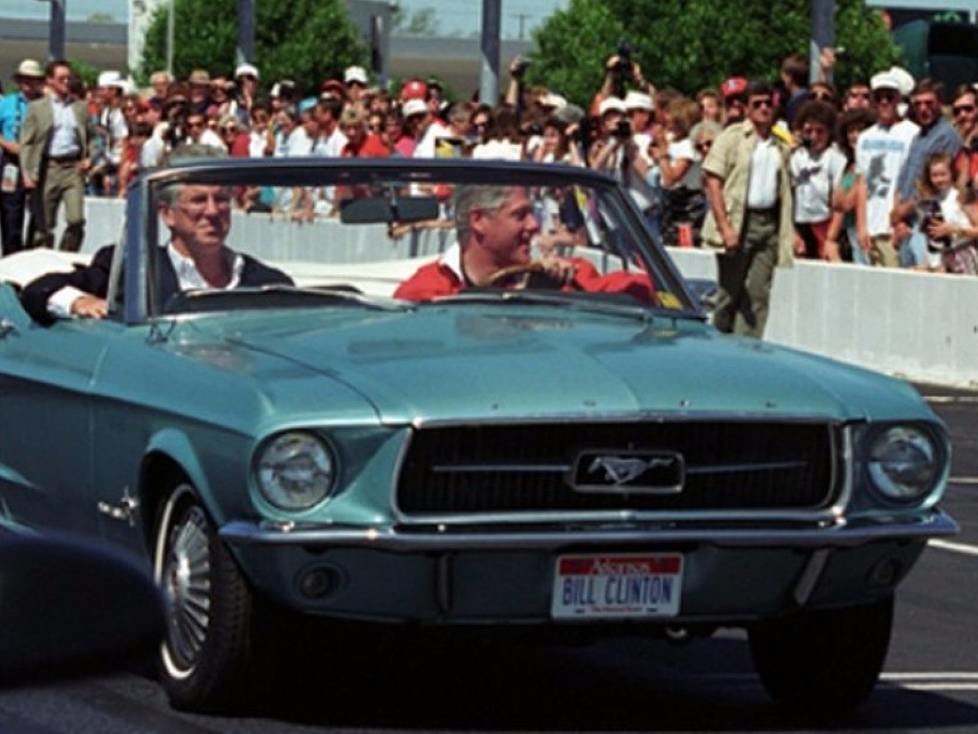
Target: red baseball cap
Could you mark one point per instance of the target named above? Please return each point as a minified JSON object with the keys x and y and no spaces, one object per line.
{"x":414,"y":89}
{"x":333,"y":85}
{"x":734,"y":87}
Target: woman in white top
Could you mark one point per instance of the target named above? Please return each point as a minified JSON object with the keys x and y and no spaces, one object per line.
{"x":556,"y":145}
{"x":817,"y":167}
{"x":679,"y":173}
{"x":949,"y":217}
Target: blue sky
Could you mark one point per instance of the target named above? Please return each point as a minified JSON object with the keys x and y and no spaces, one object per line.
{"x":454,"y":16}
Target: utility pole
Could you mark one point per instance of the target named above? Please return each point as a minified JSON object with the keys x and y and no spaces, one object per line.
{"x":489,"y":45}
{"x":56,"y":30}
{"x":171,"y":21}
{"x":823,"y":34}
{"x":521,"y":17}
{"x":245,"y":53}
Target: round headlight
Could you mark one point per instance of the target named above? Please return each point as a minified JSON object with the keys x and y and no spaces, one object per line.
{"x":903,"y":463}
{"x":296,"y":471}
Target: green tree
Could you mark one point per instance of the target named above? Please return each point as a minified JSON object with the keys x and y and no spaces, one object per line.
{"x":571,"y":48}
{"x":303,"y":40}
{"x":692,"y":44}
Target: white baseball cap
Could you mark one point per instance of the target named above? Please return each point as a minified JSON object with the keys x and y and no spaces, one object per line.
{"x":355,"y":74}
{"x":414,"y":107}
{"x":108,"y":78}
{"x":30,"y":69}
{"x":553,"y":100}
{"x":638,"y":101}
{"x":246,"y":70}
{"x":904,"y":79}
{"x":612,"y":104}
{"x":884,"y":80}
{"x":125,"y":86}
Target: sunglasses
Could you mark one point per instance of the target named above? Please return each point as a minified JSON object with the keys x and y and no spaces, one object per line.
{"x":963,"y":108}
{"x":885,"y":96}
{"x":195,"y":124}
{"x":823,"y":97}
{"x":704,"y":146}
{"x":860,"y":95}
{"x":757,"y":104}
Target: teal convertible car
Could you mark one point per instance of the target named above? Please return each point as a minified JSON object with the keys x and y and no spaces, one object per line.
{"x":451,"y":393}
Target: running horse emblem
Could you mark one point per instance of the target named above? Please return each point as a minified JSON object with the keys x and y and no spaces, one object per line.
{"x":620,"y":471}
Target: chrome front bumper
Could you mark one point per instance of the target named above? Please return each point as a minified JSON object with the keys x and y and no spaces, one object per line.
{"x":456,"y":575}
{"x":407,"y":539}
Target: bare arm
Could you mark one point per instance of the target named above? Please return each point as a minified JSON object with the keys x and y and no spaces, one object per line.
{"x":673,"y":171}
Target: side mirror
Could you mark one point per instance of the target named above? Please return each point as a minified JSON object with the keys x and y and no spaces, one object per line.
{"x":72,"y":608}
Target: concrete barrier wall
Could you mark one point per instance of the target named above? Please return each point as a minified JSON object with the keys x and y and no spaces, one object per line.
{"x":920,"y":326}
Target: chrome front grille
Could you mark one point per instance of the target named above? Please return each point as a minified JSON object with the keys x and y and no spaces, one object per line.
{"x":524,"y":468}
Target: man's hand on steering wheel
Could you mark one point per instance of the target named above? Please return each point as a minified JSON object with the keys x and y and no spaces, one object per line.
{"x":547,"y":272}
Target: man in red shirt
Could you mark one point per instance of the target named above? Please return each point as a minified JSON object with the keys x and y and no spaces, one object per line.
{"x":495,"y":227}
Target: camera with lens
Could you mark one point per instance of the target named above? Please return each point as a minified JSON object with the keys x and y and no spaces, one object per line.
{"x":624,"y":58}
{"x":623,"y":131}
{"x":807,"y":142}
{"x":519,"y":67}
{"x":930,"y":210}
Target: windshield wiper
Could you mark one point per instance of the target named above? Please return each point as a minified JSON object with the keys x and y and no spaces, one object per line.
{"x":609,"y":304}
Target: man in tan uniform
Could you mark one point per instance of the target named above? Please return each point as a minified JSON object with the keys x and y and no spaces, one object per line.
{"x":54,"y":152}
{"x":748,"y":187}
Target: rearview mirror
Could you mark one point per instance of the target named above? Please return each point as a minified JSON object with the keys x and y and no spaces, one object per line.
{"x":381,"y":209}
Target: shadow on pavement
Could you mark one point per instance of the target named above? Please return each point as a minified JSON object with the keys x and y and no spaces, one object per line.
{"x":626,"y":685}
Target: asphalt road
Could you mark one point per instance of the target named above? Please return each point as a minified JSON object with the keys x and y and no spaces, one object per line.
{"x":930,"y":681}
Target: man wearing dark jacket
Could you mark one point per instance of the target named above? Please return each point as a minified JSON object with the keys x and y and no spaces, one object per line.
{"x":199,"y":219}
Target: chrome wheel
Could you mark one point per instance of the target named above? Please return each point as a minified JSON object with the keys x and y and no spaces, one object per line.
{"x":182,"y":565}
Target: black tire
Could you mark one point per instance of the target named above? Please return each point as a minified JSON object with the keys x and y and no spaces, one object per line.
{"x":823,"y":662}
{"x":208,"y":657}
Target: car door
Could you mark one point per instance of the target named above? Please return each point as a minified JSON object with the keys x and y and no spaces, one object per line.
{"x":46,"y":375}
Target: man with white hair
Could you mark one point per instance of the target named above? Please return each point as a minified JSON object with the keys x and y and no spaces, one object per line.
{"x":495,"y":227}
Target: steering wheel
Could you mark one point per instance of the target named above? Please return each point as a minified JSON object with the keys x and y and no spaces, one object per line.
{"x":534,"y":274}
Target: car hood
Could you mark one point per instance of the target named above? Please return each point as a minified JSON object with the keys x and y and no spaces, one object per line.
{"x":458,"y":362}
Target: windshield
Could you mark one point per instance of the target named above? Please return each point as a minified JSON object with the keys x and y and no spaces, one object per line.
{"x":226,"y":237}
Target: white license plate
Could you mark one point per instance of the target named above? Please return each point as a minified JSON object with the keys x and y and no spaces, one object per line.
{"x":618,"y":585}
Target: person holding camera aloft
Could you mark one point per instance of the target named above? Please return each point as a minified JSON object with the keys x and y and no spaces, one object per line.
{"x":816,"y":172}
{"x":616,"y":153}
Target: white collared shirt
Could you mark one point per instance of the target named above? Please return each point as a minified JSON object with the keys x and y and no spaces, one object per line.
{"x":64,"y":135}
{"x":765,"y":166}
{"x":452,"y":259}
{"x":188,"y":279}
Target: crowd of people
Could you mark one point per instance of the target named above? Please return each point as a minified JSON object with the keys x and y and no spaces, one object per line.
{"x":879,"y":173}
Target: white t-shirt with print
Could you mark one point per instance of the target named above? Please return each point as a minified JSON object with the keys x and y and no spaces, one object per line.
{"x":880,"y":153}
{"x":814,"y":179}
